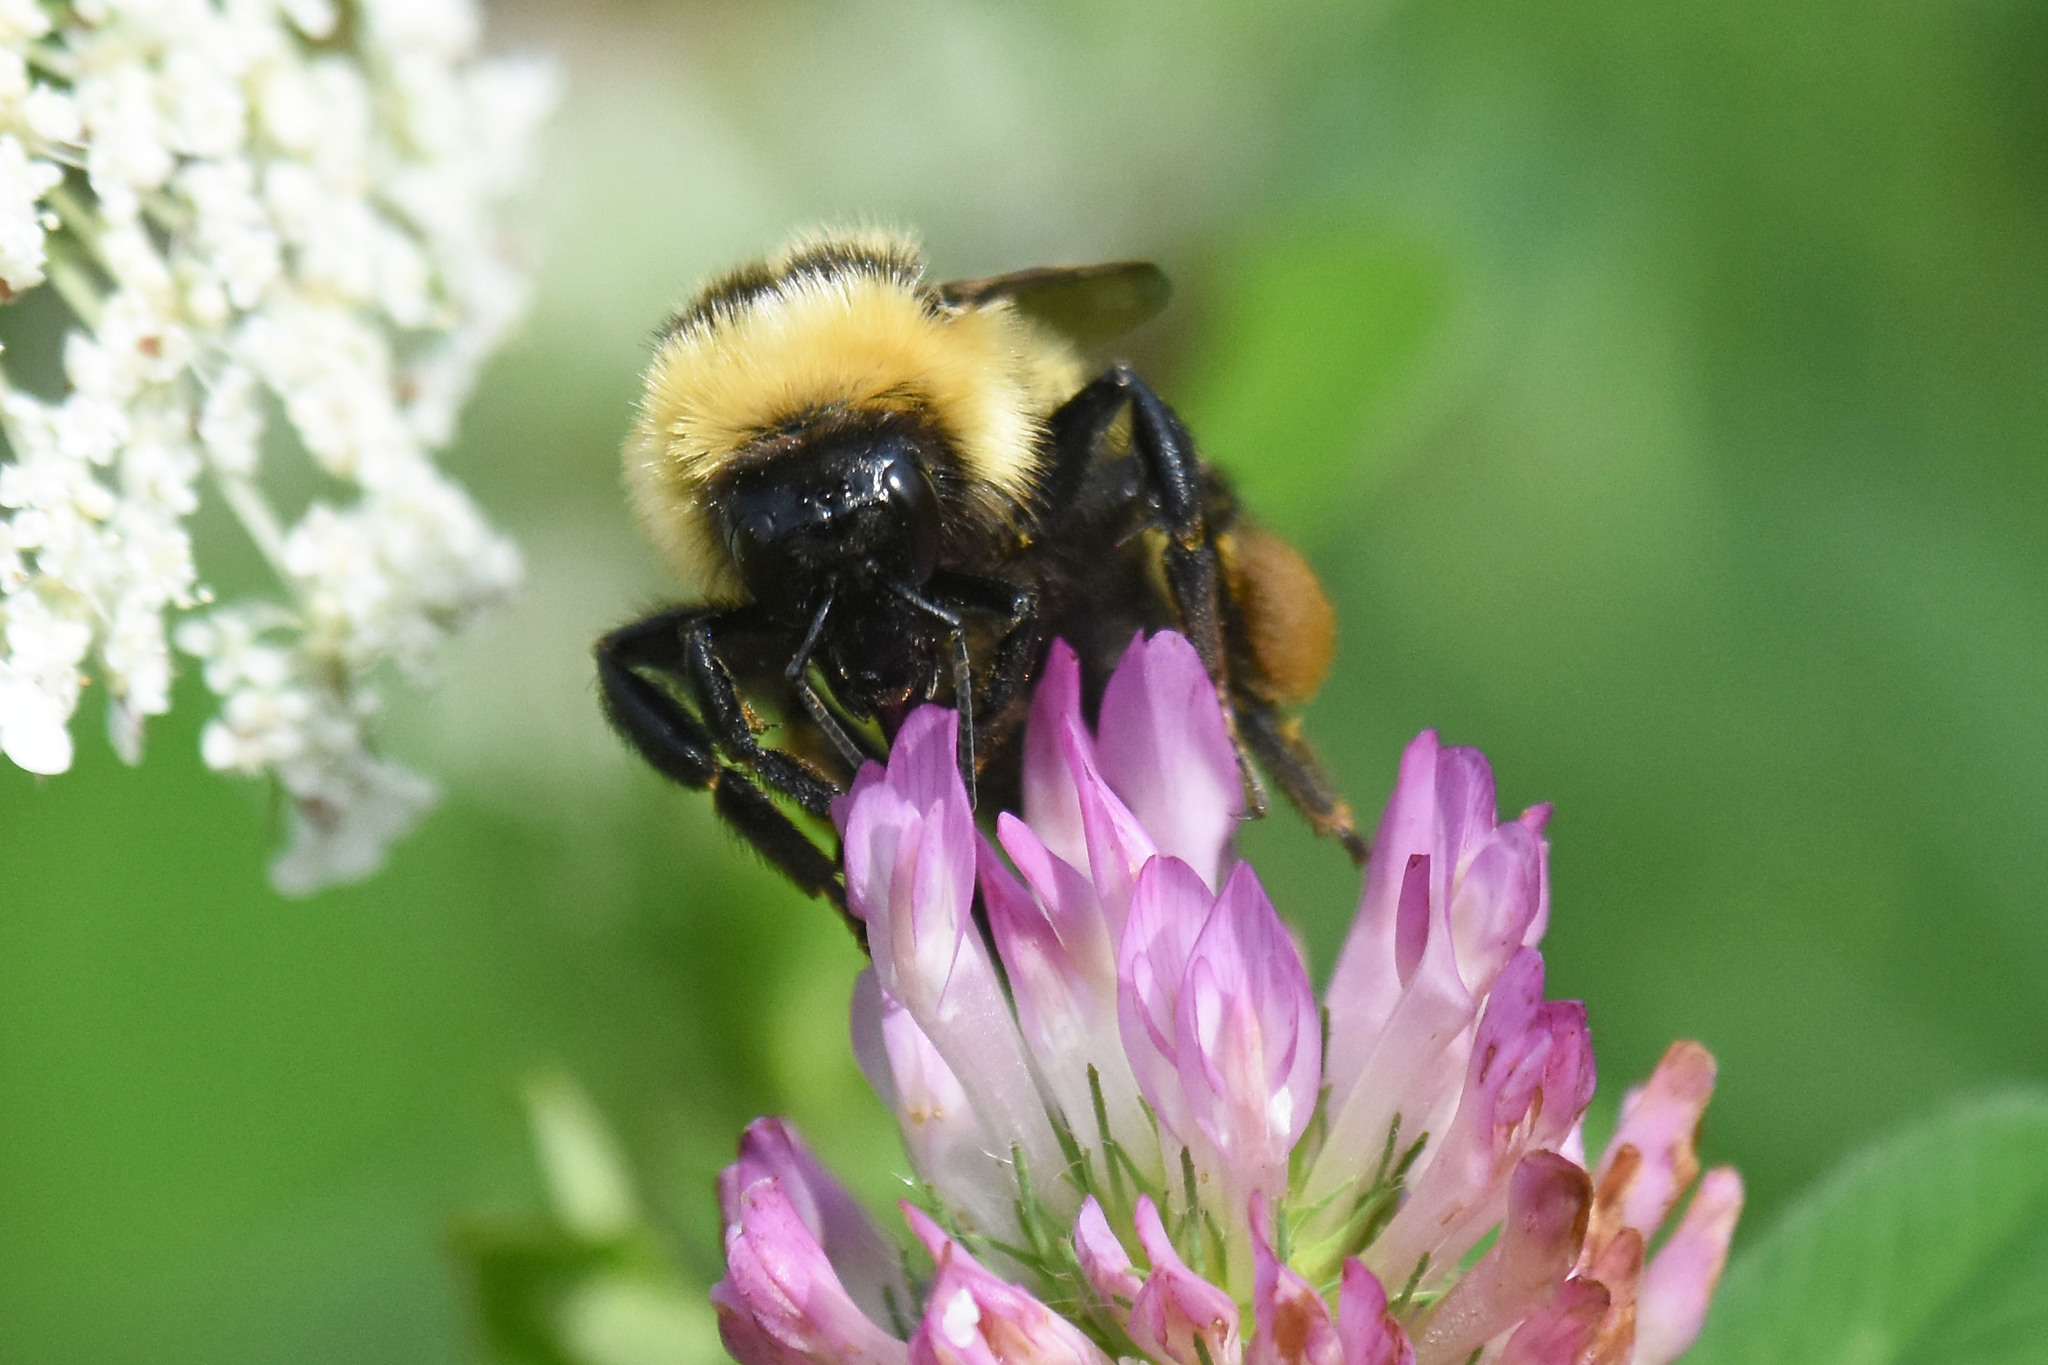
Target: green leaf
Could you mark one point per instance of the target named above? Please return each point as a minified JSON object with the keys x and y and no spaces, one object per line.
{"x":593,"y":1285}
{"x":1316,"y":334}
{"x":1930,"y":1248}
{"x":519,"y":1278}
{"x":643,"y":1319}
{"x":586,"y":1176}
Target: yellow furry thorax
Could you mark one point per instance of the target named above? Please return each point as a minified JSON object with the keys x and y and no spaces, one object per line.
{"x":855,"y":333}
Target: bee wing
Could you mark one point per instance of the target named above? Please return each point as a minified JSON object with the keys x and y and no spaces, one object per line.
{"x":1089,"y":304}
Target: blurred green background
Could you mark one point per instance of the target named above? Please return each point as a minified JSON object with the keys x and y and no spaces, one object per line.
{"x":1659,"y":389}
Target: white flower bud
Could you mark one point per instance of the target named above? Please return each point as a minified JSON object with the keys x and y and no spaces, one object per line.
{"x":311,"y":235}
{"x":51,"y":115}
{"x":23,"y":183}
{"x":22,"y":20}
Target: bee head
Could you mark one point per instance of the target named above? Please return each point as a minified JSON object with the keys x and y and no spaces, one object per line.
{"x":824,"y":415}
{"x":840,"y":505}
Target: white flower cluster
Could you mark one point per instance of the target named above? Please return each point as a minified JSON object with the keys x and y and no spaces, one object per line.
{"x":279,"y":227}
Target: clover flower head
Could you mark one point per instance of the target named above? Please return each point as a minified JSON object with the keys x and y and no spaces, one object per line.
{"x":1136,"y":1134}
{"x":278,"y":229}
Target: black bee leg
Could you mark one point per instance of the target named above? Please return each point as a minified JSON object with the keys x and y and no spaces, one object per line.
{"x":666,"y":735}
{"x":996,"y":715}
{"x":775,"y":837}
{"x":1280,"y":746}
{"x":1016,"y":607}
{"x":682,"y":747}
{"x":963,"y":677}
{"x":851,"y":751}
{"x":1011,"y":668}
{"x":734,"y":724}
{"x":1172,"y":482}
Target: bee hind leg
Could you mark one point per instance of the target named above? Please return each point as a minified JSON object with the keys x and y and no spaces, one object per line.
{"x":686,"y":748}
{"x":1275,"y":738}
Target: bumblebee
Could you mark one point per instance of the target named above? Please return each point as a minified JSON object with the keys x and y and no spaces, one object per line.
{"x":891,"y":492}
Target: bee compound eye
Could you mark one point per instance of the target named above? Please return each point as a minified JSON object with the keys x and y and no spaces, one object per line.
{"x":764,"y":536}
{"x":915,"y":505}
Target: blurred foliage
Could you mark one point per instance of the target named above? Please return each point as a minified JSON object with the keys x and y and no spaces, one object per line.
{"x":1930,"y":1248}
{"x":1314,"y":344}
{"x":1658,"y":388}
{"x":590,"y":1283}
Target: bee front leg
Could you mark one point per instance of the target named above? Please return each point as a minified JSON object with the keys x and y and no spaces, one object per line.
{"x":675,"y":647}
{"x":851,"y":749}
{"x":667,"y":736}
{"x":963,"y":676}
{"x":775,"y":837}
{"x":734,"y":723}
{"x":1017,"y":641}
{"x":1019,"y":646}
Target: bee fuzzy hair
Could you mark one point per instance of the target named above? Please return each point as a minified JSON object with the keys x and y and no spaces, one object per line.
{"x":835,"y":323}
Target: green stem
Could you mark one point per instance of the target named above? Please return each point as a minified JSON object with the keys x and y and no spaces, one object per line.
{"x":257,"y":519}
{"x":79,"y":218}
{"x":7,"y":426}
{"x":51,"y":61}
{"x":73,"y":282}
{"x":1116,"y":1177}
